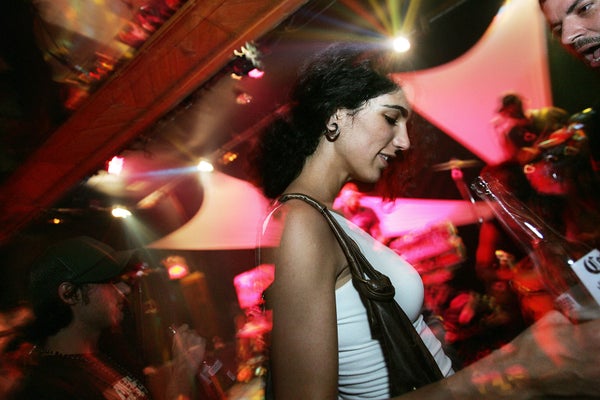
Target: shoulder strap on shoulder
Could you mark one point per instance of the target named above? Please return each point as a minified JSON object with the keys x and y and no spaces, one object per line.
{"x":368,"y":281}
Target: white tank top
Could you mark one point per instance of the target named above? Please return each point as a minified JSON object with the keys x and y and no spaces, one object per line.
{"x":362,"y":370}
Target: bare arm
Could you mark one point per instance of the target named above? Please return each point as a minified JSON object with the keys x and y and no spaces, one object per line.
{"x":551,"y":358}
{"x":304,"y":337}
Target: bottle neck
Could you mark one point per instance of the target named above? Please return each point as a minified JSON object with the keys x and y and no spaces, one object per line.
{"x":522,"y":223}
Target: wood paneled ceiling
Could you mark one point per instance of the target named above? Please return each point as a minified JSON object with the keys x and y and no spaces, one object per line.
{"x":192,"y":46}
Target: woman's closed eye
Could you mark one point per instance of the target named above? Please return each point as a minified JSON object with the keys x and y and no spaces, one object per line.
{"x":391,"y":120}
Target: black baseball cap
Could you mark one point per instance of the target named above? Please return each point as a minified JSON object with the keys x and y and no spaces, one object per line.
{"x":82,"y":260}
{"x":77,"y":260}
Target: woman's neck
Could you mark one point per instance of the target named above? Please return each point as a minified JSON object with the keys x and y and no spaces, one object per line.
{"x":317,"y":192}
{"x":318,"y":181}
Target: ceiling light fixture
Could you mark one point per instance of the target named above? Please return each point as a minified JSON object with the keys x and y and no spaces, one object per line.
{"x":228,"y":157}
{"x":205,"y":166}
{"x":115,"y":165}
{"x":247,"y":62}
{"x":120,"y":212}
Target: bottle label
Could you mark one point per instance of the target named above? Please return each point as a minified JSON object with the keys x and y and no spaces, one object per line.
{"x":587,"y":269}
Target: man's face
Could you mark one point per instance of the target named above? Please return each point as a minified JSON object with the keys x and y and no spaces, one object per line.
{"x":577,"y":24}
{"x":104,"y":306}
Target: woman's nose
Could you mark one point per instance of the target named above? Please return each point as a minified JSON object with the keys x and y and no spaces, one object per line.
{"x":401,"y":140}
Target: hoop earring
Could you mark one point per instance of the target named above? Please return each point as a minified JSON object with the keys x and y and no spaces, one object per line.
{"x":332,"y":134}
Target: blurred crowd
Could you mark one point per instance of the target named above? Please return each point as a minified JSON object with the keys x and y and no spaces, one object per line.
{"x":553,"y":168}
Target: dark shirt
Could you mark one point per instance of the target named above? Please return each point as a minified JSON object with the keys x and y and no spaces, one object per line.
{"x":79,"y":376}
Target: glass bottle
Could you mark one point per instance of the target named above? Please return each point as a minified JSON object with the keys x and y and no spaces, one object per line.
{"x":570,"y":270}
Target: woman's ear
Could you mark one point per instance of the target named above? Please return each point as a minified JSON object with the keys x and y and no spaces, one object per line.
{"x":332,"y":122}
{"x":332,"y":129}
{"x":68,"y":293}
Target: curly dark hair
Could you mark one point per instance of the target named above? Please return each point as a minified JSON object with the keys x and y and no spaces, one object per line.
{"x":342,"y":76}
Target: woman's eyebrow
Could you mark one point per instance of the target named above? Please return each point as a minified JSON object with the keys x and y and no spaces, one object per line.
{"x":402,"y":109}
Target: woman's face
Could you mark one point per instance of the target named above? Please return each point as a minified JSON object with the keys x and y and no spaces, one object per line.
{"x":371,"y":137}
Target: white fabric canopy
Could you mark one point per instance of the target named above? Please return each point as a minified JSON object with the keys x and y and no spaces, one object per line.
{"x":229,"y":218}
{"x":462,"y":96}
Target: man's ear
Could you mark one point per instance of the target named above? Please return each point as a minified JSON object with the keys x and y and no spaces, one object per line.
{"x":68,"y":293}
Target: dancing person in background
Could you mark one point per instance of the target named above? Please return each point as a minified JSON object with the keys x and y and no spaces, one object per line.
{"x":348,"y":121}
{"x":361,"y":215}
{"x":556,"y":178}
{"x":519,"y":129}
{"x":78,"y":290}
{"x":566,"y":185}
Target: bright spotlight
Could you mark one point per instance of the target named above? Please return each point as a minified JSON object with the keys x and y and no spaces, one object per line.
{"x":120,"y":212}
{"x":205,"y":166}
{"x":115,"y":165}
{"x":401,"y":44}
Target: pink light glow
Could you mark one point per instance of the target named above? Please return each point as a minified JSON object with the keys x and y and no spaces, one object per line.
{"x":178,"y":271}
{"x":250,"y":285}
{"x":256,"y":73}
{"x":405,"y":215}
{"x":176,"y":267}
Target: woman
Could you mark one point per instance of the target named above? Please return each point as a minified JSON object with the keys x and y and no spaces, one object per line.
{"x":348,"y":121}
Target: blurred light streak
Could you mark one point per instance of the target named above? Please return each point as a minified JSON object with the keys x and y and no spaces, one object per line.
{"x":367,"y":15}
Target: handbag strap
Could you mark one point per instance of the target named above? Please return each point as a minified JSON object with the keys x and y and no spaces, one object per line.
{"x":370,"y":282}
{"x":409,"y":362}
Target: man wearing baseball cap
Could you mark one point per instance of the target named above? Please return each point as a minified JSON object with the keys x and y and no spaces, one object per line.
{"x":78,"y":289}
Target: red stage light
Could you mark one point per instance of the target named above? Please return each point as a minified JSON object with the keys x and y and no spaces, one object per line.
{"x":176,"y":267}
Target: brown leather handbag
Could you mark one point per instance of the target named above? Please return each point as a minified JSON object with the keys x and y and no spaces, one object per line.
{"x":409,"y":362}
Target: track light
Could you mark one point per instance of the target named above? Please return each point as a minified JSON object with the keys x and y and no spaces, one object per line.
{"x":205,"y":166}
{"x":120,"y":212}
{"x":247,"y":62}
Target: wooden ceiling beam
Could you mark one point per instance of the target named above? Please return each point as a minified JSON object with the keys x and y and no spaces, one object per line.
{"x":188,"y":50}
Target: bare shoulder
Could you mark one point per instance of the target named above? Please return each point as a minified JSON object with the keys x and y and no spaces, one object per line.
{"x":307,"y":240}
{"x":304,"y":222}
